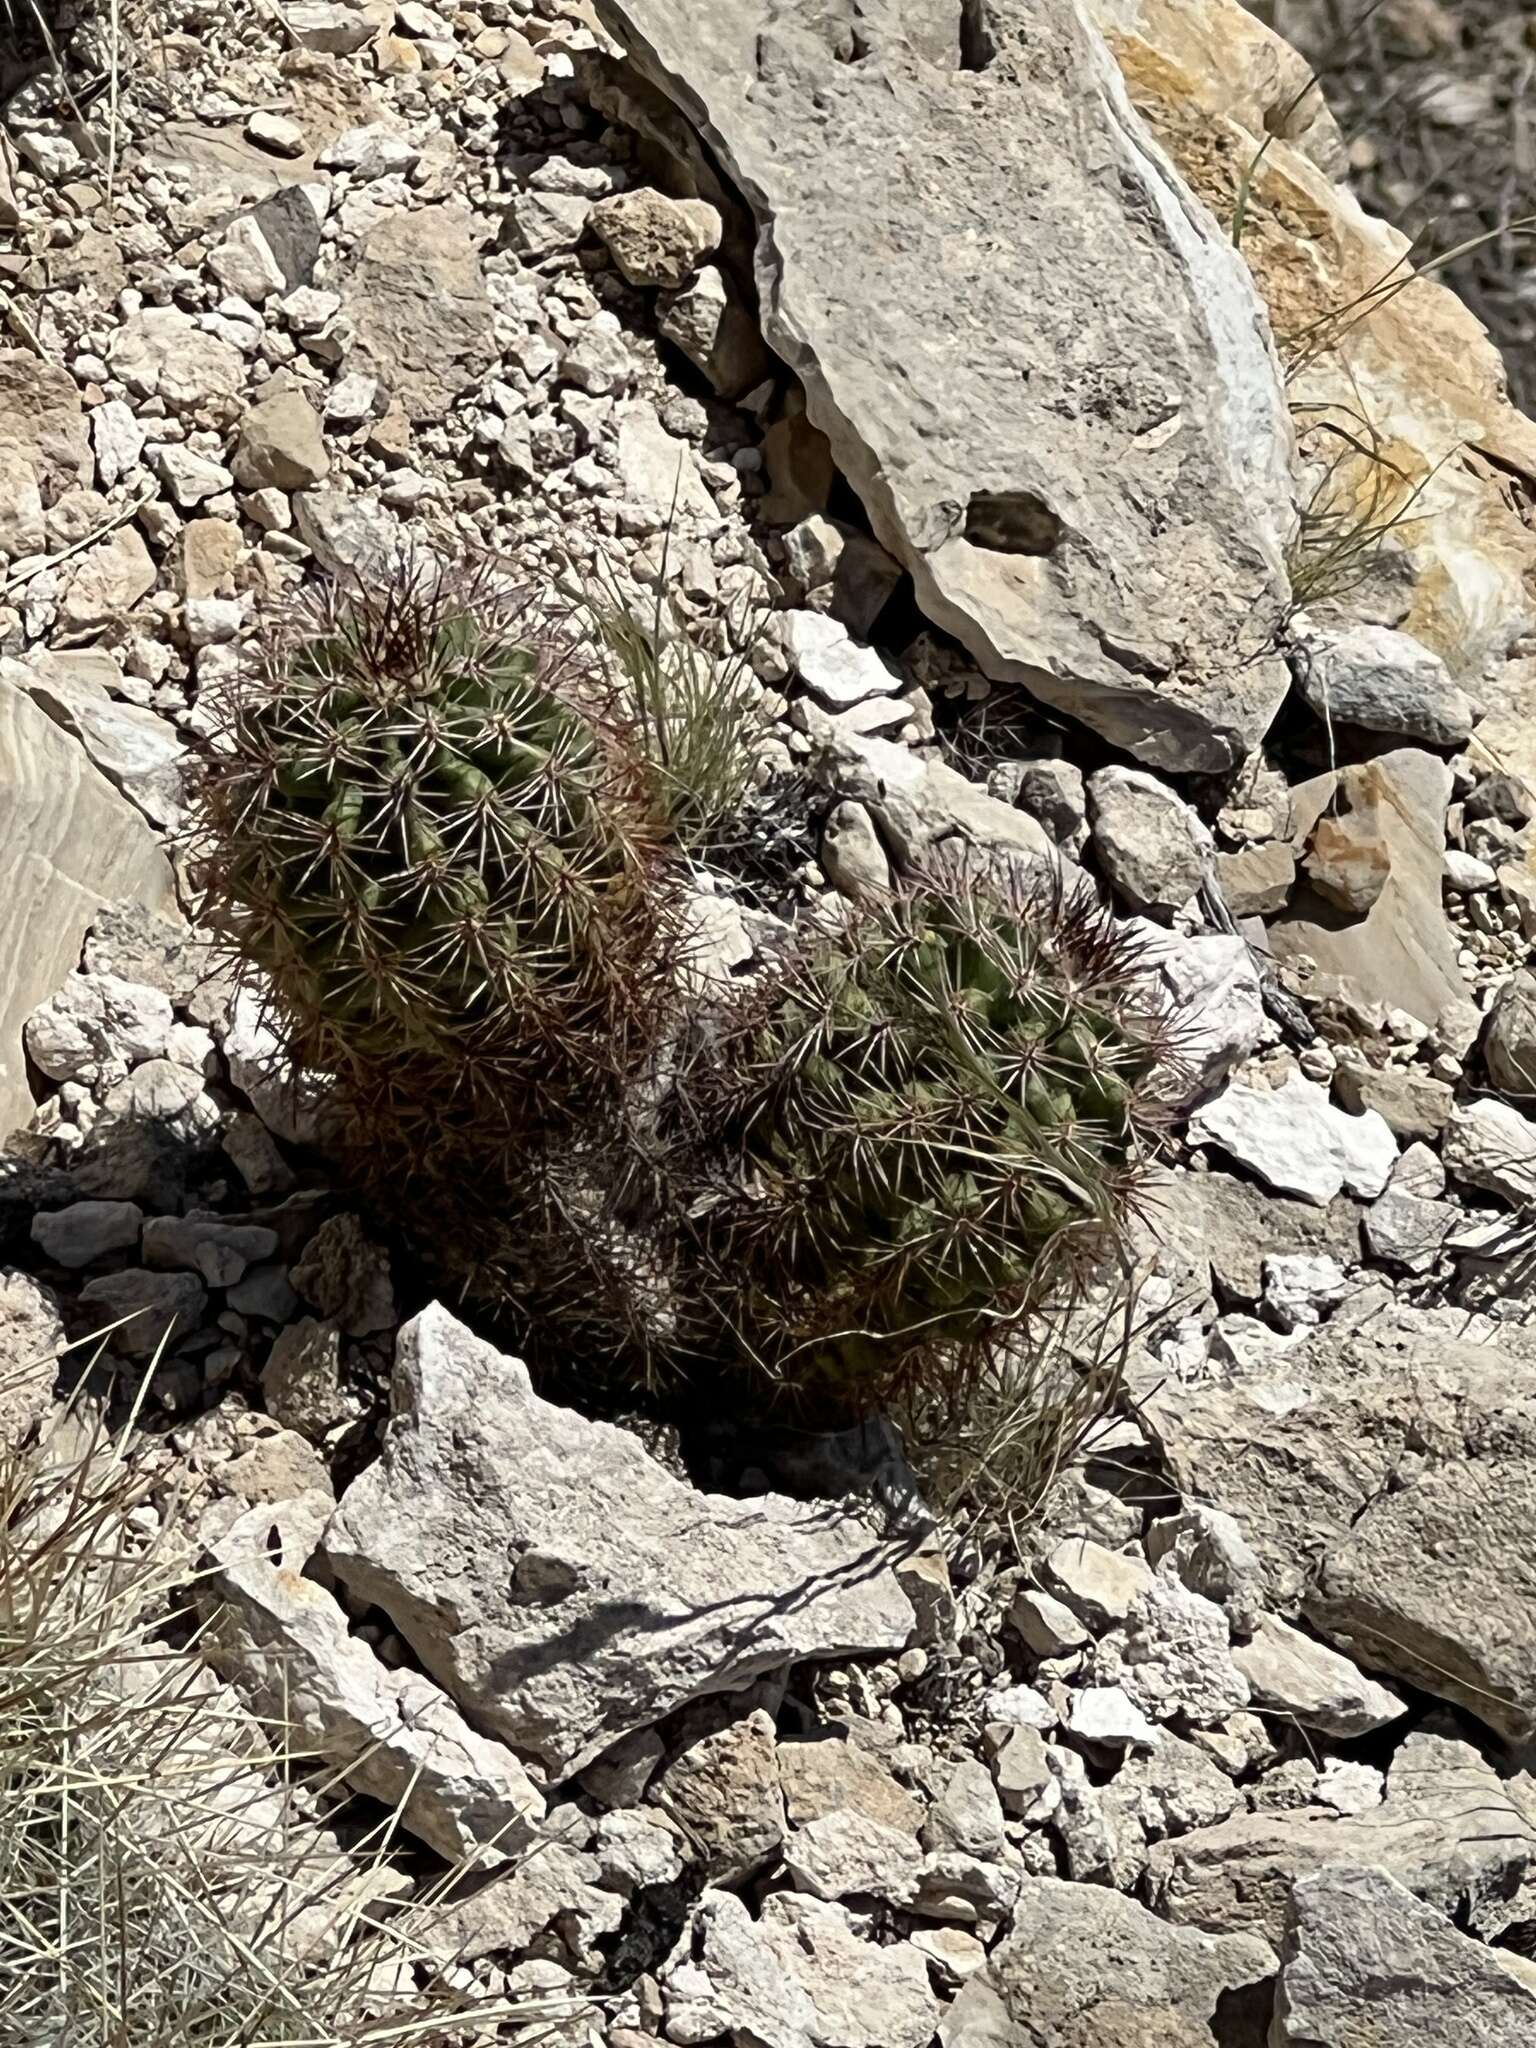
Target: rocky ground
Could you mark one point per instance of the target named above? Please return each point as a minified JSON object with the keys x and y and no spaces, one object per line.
{"x":983,"y":458}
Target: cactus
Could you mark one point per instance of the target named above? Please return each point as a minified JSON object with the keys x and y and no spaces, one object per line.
{"x":421,"y":824}
{"x":944,"y":1114}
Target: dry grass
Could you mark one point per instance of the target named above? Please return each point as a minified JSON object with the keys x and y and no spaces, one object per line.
{"x":1360,"y":500}
{"x":161,"y":1882}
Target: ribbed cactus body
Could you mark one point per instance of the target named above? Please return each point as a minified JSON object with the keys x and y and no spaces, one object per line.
{"x":424,"y":834}
{"x":944,"y":1117}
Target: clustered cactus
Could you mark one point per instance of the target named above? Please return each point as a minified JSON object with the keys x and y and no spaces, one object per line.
{"x":438,"y":837}
{"x":944,"y":1115}
{"x":425,"y":828}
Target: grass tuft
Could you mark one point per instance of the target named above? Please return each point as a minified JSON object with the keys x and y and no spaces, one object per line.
{"x":161,"y":1883}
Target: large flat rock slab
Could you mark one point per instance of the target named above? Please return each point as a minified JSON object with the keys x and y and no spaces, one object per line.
{"x":1037,"y":358}
{"x":562,"y":1585}
{"x":68,"y":844}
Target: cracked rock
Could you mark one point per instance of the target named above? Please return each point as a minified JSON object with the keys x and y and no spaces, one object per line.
{"x":560,"y":1583}
{"x":283,"y":1639}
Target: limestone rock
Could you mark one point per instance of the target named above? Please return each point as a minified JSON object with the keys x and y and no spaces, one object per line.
{"x":32,"y":1337}
{"x":202,"y":1242}
{"x":86,"y":1231}
{"x":44,"y":448}
{"x":68,"y":843}
{"x":1151,"y":845}
{"x":1509,"y":1046}
{"x":832,"y":664}
{"x":724,"y":1789}
{"x":162,"y":352}
{"x":1382,"y":1468}
{"x":1105,"y":1716}
{"x":1081,"y":1964}
{"x":657,"y":470}
{"x":1294,"y":1675}
{"x":655,"y":240}
{"x":920,"y":805}
{"x":1295,"y":1140}
{"x":336,"y":26}
{"x":561,"y":1584}
{"x":1416,"y":1105}
{"x":105,"y":582}
{"x":347,"y":1277}
{"x":1401,"y":953}
{"x":1382,"y":680}
{"x":852,"y":857}
{"x":1365,"y":1964}
{"x":711,"y":326}
{"x":135,"y":748}
{"x":826,"y":1774}
{"x":96,"y":1027}
{"x":1216,"y":85}
{"x":992,"y":460}
{"x":845,"y":1854}
{"x":419,"y":307}
{"x":1348,"y":864}
{"x":799,"y":1977}
{"x":1490,"y":1145}
{"x":1100,"y":1586}
{"x":1459,"y":1837}
{"x":301,"y":1380}
{"x":283,"y":1640}
{"x":281,"y":443}
{"x":150,"y":1309}
{"x":1257,"y":882}
{"x":967,"y":1815}
{"x":1213,"y":986}
{"x":244,"y":263}
{"x":1302,"y":1288}
{"x":1172,"y":1657}
{"x":1221,"y":1229}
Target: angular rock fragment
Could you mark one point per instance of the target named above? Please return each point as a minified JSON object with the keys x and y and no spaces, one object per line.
{"x":1082,"y":1965}
{"x":1089,"y":488}
{"x":1450,"y":1829}
{"x":1384,"y":1469}
{"x":1291,"y":1674}
{"x":1366,"y":1965}
{"x":1295,"y":1140}
{"x":800,"y":1977}
{"x":283,"y":1640}
{"x":564,"y":1587}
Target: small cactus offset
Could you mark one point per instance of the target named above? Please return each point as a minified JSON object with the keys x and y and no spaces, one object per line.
{"x":422,"y":826}
{"x":944,"y":1115}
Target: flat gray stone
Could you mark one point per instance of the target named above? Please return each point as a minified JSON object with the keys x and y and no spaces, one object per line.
{"x":1081,"y":1964}
{"x":69,"y":843}
{"x":1089,"y":487}
{"x":1366,"y":1965}
{"x":1450,"y":1829}
{"x":561,"y":1584}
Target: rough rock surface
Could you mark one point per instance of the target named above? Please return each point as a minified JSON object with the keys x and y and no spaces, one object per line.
{"x":31,"y":1339}
{"x":68,"y":842}
{"x":628,"y":1593}
{"x":1401,"y":952}
{"x":994,"y":459}
{"x":1449,"y":1828}
{"x":1075,"y":1950}
{"x":419,"y":304}
{"x":1384,"y":1468}
{"x":283,"y":1640}
{"x":800,"y":1977}
{"x":1366,"y":1965}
